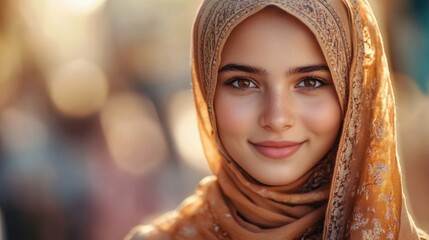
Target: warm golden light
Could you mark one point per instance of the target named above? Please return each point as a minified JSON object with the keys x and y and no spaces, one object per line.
{"x":79,"y":6}
{"x":133,"y":133}
{"x":61,"y":30}
{"x":10,"y":67}
{"x":78,"y":88}
{"x":183,"y":122}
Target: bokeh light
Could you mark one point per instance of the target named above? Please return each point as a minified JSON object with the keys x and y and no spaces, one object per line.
{"x":183,"y":122}
{"x":78,"y":6}
{"x":60,"y":32}
{"x":78,"y":88}
{"x":133,"y":133}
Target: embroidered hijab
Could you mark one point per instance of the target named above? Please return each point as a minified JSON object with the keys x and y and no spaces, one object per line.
{"x":354,"y":192}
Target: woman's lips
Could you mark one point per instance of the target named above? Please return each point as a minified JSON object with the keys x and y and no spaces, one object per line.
{"x":277,"y":149}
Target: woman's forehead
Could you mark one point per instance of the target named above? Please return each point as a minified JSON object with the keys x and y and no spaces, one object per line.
{"x":272,"y":33}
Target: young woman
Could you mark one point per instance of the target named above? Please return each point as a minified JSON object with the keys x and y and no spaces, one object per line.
{"x":297,"y":119}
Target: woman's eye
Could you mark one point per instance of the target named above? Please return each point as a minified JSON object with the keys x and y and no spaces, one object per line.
{"x":311,"y":83}
{"x":242,"y":83}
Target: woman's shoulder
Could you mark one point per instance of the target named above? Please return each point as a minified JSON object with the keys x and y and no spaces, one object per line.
{"x":147,"y":232}
{"x":168,"y":224}
{"x":158,"y":229}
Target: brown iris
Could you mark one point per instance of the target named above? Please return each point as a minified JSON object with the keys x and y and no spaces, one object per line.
{"x":243,"y":83}
{"x":310,"y":83}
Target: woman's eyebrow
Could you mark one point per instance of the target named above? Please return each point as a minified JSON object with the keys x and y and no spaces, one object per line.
{"x":309,"y":68}
{"x":256,"y":70}
{"x":242,"y":68}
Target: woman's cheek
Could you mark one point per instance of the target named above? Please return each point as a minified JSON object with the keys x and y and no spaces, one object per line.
{"x":234,"y":115}
{"x":321,"y":116}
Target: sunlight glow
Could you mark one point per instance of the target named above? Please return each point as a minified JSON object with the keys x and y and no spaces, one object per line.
{"x":183,"y":121}
{"x":78,"y":88}
{"x":133,"y":133}
{"x":78,"y":6}
{"x":10,"y":66}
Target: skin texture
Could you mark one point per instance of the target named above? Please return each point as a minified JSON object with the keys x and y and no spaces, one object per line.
{"x":274,"y":86}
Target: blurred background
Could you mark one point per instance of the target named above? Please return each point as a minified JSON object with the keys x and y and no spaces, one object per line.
{"x":97,"y":125}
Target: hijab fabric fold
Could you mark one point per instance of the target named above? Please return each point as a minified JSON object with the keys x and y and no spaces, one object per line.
{"x":355,"y":192}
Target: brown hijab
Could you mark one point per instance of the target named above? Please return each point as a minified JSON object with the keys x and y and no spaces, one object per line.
{"x":355,"y":192}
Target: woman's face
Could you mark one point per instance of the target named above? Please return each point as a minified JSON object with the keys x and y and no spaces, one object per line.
{"x":276,"y":107}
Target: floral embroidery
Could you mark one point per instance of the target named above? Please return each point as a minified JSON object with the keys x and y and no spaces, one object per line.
{"x":363,"y":191}
{"x":220,"y":233}
{"x":391,"y":214}
{"x":188,"y":231}
{"x":358,"y":221}
{"x":376,"y":134}
{"x":361,"y":222}
{"x":378,"y":129}
{"x":215,"y":228}
{"x":377,"y":170}
{"x":375,"y":232}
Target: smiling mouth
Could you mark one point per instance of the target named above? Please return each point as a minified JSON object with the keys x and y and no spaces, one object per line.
{"x":277,"y":149}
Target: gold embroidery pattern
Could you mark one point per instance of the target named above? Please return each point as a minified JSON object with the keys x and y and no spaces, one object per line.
{"x":378,"y":195}
{"x":342,"y":185}
{"x":390,"y":214}
{"x":375,"y":232}
{"x":359,"y":221}
{"x":369,"y":48}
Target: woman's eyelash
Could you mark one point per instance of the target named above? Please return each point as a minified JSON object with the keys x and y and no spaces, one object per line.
{"x":241,"y":83}
{"x":311,"y":83}
{"x":308,"y":83}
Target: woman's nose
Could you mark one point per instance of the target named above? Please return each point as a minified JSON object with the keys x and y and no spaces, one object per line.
{"x":277,"y":112}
